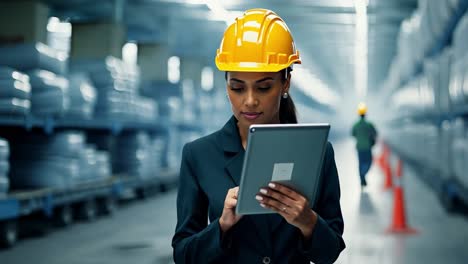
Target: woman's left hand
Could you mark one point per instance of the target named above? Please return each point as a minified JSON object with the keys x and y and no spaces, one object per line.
{"x":292,"y":206}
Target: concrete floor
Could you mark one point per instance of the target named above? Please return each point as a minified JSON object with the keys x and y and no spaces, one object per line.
{"x":368,"y":214}
{"x":140,"y":232}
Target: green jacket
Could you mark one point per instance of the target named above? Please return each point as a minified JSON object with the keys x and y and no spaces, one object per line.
{"x":365,"y":134}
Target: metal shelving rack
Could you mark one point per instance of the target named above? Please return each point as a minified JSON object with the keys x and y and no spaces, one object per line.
{"x":86,"y":198}
{"x":448,"y":189}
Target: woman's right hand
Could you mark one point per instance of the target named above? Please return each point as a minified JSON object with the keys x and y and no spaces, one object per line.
{"x":229,"y":217}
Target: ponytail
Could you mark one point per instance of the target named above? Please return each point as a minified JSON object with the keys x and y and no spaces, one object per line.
{"x":287,"y":111}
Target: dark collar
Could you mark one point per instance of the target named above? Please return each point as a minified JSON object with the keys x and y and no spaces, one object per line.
{"x":233,"y":151}
{"x":230,"y":137}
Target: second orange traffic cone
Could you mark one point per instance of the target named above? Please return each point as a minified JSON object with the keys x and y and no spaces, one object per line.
{"x":387,"y":169}
{"x":399,"y":213}
{"x":383,"y":156}
{"x":388,"y":182}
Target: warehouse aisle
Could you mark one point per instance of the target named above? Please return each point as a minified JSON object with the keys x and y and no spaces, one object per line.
{"x":368,"y":214}
{"x":141,"y":232}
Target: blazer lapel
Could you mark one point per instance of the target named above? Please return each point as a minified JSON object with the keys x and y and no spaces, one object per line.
{"x":233,"y":150}
{"x":233,"y":166}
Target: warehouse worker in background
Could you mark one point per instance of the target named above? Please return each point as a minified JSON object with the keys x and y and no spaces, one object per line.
{"x":257,"y":53}
{"x":365,"y":134}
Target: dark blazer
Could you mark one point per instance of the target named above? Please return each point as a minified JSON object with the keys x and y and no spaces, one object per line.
{"x":210,"y":166}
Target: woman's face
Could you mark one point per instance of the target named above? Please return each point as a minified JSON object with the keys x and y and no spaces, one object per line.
{"x":255,"y":96}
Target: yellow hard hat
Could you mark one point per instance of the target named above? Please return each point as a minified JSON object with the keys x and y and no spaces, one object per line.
{"x":258,"y":41}
{"x":362,"y":109}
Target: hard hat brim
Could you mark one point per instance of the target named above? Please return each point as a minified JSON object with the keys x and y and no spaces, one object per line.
{"x":253,"y":66}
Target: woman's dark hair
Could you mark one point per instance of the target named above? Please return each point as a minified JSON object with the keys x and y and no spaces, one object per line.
{"x":287,"y":111}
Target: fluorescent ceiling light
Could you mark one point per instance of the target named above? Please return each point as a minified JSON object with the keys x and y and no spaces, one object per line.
{"x":195,"y":2}
{"x":219,"y":12}
{"x":361,"y":48}
{"x":313,"y":87}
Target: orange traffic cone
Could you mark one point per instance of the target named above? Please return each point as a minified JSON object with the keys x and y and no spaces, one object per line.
{"x":387,"y":168}
{"x":382,"y":157}
{"x":399,"y":214}
{"x":388,"y":183}
{"x":399,"y":169}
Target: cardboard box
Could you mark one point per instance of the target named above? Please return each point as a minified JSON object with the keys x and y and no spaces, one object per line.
{"x":97,"y":41}
{"x":23,"y":22}
{"x":152,"y":58}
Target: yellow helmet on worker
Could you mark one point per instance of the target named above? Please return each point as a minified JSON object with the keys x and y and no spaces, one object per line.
{"x":362,"y":109}
{"x":258,"y":41}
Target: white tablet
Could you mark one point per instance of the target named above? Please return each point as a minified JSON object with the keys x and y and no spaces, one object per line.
{"x":290,"y":154}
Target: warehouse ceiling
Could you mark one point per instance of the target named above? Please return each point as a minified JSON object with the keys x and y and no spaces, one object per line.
{"x":324,"y":31}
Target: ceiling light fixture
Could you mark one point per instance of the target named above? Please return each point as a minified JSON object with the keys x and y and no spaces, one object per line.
{"x":219,"y":12}
{"x":313,"y":86}
{"x":361,"y":49}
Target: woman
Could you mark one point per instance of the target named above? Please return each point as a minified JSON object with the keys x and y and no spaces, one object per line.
{"x":257,"y":53}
